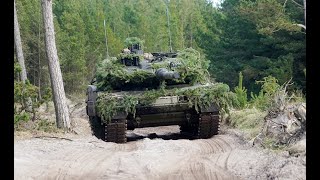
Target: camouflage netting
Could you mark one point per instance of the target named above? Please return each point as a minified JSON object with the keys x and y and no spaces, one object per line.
{"x":133,"y":41}
{"x":108,"y":105}
{"x":140,"y":86}
{"x":112,"y":74}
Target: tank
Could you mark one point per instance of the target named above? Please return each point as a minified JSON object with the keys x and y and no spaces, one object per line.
{"x":137,"y":90}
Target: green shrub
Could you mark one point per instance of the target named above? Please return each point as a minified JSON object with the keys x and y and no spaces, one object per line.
{"x":265,"y":97}
{"x":269,"y":85}
{"x":241,"y":93}
{"x":24,"y":91}
{"x":47,"y":126}
{"x":21,"y":117}
{"x":25,"y":95}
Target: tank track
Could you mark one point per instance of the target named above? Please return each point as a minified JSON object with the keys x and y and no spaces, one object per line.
{"x":209,"y":125}
{"x":116,"y":131}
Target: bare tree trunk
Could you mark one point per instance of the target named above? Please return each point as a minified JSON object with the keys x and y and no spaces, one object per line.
{"x":191,"y":31}
{"x":17,"y":41}
{"x":105,"y":36}
{"x":305,"y":14}
{"x":39,"y":63}
{"x":168,"y":20}
{"x":59,"y":98}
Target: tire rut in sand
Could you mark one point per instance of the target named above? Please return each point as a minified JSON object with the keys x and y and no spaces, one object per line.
{"x":199,"y":168}
{"x":220,"y":157}
{"x":214,"y":145}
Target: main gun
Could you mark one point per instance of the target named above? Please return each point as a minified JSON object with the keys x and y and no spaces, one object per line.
{"x":163,"y":73}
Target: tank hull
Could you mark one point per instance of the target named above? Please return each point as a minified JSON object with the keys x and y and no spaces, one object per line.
{"x":203,"y":122}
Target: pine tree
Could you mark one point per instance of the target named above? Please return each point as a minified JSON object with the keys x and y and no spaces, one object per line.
{"x":59,"y":99}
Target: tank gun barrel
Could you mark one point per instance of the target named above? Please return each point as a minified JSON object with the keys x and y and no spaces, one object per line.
{"x":163,"y":73}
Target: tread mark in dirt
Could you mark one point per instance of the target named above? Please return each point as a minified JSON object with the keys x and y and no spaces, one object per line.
{"x":223,"y":145}
{"x":225,"y":142}
{"x":226,"y":161}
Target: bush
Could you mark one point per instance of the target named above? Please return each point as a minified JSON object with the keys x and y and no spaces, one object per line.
{"x":21,"y":117}
{"x":265,"y":97}
{"x":47,"y":126}
{"x":25,"y":95}
{"x":260,"y":101}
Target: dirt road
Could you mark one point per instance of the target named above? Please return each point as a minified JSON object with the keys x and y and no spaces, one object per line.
{"x":167,"y":155}
{"x":224,"y":156}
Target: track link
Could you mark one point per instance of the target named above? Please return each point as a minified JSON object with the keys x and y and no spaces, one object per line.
{"x":116,"y":131}
{"x":204,"y":125}
{"x":209,"y":125}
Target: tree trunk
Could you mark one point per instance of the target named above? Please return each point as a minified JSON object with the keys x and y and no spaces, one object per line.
{"x":305,"y":13}
{"x":39,"y":63}
{"x":19,"y":52}
{"x":59,"y":98}
{"x":17,"y":41}
{"x":168,"y":20}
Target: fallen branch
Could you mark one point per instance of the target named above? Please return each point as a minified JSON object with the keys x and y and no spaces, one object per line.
{"x":53,"y":137}
{"x":252,"y":141}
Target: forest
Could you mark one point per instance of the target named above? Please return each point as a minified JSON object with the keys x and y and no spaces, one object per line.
{"x":160,"y":89}
{"x":260,"y":40}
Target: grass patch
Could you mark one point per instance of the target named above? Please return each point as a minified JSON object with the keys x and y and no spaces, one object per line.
{"x":42,"y":125}
{"x":47,"y":126}
{"x":248,"y":120}
{"x":271,"y":143}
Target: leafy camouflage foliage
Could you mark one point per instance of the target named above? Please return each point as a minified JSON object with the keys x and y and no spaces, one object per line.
{"x":108,"y":104}
{"x":132,"y":41}
{"x":112,"y":74}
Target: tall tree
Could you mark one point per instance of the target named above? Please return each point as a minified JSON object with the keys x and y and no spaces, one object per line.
{"x":17,"y":41}
{"x":59,"y":98}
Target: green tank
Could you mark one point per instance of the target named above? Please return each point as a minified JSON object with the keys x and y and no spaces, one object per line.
{"x":136,"y":90}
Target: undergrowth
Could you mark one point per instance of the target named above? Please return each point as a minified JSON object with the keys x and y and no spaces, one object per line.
{"x":249,"y":120}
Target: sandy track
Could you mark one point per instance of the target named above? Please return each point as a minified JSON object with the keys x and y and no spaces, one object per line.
{"x":223,"y":157}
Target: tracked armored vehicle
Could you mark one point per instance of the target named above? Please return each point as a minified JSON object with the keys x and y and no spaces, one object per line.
{"x":136,"y":90}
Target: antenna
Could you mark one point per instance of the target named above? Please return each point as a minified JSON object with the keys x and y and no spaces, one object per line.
{"x":167,"y":13}
{"x":105,"y":35}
